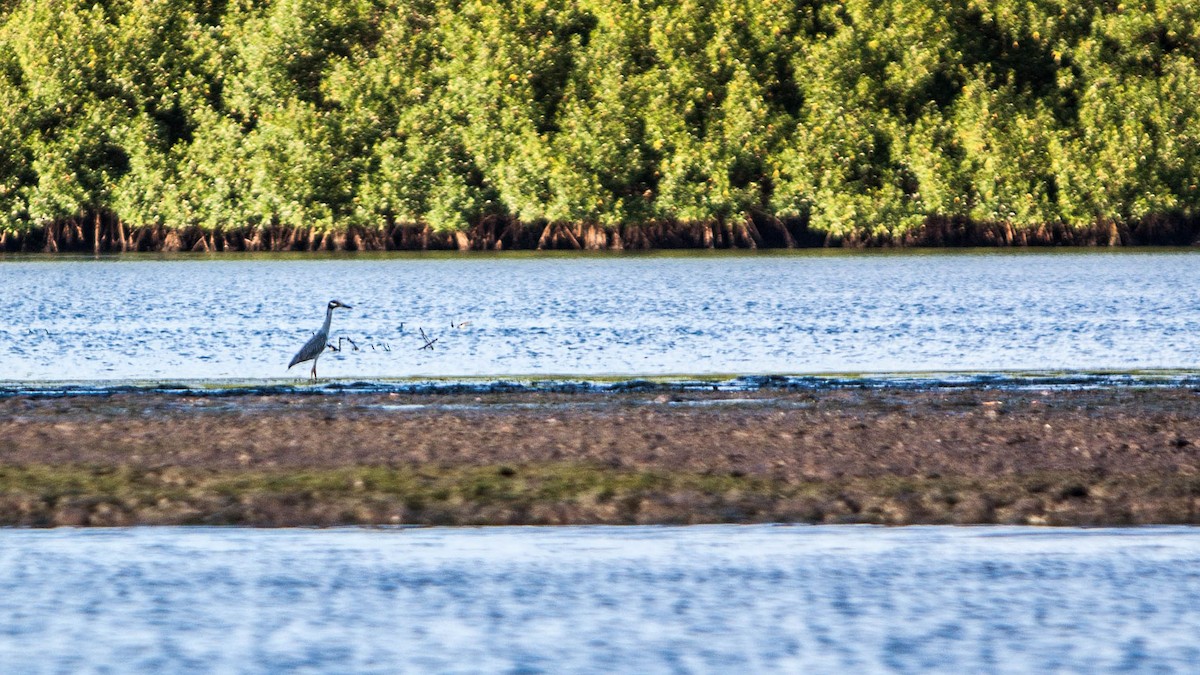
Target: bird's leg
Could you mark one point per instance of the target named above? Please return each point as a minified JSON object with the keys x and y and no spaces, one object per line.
{"x":314,"y":370}
{"x":429,"y":340}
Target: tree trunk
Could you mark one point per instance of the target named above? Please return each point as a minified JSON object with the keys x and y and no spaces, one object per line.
{"x":788,"y":241}
{"x":542,"y":240}
{"x":51,"y":239}
{"x":172,"y":242}
{"x":615,"y":242}
{"x":570,"y":237}
{"x":752,"y":230}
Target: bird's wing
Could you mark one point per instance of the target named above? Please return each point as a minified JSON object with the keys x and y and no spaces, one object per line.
{"x":314,"y":346}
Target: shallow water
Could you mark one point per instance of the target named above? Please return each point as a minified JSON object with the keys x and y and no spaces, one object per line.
{"x":241,"y":317}
{"x":576,"y":599}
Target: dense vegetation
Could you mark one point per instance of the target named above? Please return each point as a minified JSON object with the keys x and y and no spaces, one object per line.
{"x":860,"y":120}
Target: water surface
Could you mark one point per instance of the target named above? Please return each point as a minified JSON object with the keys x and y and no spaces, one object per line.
{"x":586,"y":316}
{"x":596,"y":599}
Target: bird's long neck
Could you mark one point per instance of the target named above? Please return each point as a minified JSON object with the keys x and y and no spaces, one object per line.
{"x":328,"y":318}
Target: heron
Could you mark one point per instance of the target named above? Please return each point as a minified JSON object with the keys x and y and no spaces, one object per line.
{"x":316,"y":344}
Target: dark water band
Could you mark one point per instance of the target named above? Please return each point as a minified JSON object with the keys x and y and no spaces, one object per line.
{"x":657,"y":385}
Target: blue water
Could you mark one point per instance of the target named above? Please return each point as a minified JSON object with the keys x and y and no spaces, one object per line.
{"x":212,"y":318}
{"x":583,"y":600}
{"x":645,"y":600}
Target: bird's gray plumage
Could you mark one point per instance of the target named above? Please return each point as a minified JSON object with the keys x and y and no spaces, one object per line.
{"x":312,"y":349}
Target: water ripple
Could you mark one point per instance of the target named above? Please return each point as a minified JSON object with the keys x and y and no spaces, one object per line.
{"x":638,"y":599}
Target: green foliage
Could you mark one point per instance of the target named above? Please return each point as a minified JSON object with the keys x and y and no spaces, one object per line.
{"x":864,"y":117}
{"x":714,"y":116}
{"x":16,"y":158}
{"x":69,"y":108}
{"x":398,"y":100}
{"x":601,"y":168}
{"x":1139,"y":123}
{"x":511,"y":67}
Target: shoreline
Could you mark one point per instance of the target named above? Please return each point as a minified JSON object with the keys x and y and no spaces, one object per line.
{"x":969,"y":454}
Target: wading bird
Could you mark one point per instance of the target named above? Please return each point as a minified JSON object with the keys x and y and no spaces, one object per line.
{"x":316,"y":344}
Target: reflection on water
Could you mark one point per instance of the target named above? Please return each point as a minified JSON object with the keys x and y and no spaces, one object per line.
{"x":637,"y":599}
{"x":591,"y":316}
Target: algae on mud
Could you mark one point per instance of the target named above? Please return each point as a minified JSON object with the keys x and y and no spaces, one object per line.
{"x":1103,"y":456}
{"x":571,"y":493}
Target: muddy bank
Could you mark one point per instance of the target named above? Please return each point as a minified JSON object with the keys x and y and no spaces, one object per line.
{"x":106,"y":234}
{"x":1106,"y":456}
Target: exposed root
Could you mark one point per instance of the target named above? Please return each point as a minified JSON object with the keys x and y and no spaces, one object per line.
{"x":108,"y":234}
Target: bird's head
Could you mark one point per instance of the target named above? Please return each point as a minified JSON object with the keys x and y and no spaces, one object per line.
{"x":334,"y":304}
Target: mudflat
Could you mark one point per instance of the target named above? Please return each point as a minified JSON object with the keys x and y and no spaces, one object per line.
{"x":1102,"y":456}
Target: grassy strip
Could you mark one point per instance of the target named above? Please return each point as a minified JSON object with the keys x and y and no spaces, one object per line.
{"x":570,"y":493}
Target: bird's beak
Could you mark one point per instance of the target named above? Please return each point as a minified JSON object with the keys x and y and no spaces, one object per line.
{"x":347,"y":306}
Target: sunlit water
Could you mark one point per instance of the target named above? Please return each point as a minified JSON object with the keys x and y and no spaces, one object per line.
{"x":595,"y":316}
{"x":633,"y":600}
